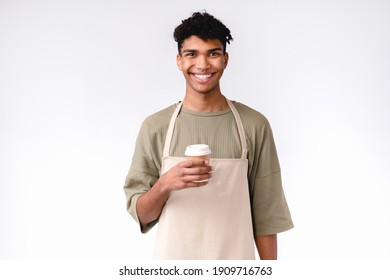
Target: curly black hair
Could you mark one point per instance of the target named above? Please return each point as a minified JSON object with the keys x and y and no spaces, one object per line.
{"x":203,"y":26}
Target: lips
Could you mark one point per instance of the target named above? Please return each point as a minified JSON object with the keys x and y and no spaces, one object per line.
{"x":202,"y":77}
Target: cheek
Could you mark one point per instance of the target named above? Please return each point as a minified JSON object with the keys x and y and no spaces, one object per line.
{"x":185,"y":65}
{"x":221,"y":66}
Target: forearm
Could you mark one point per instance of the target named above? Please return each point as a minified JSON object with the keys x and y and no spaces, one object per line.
{"x":267,"y":246}
{"x":150,"y":204}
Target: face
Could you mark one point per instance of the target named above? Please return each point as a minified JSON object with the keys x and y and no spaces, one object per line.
{"x":202,"y":64}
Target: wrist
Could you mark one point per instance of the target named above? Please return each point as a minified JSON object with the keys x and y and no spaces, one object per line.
{"x":162,"y":188}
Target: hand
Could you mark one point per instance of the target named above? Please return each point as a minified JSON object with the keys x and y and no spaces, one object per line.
{"x":181,"y":176}
{"x":184,"y":175}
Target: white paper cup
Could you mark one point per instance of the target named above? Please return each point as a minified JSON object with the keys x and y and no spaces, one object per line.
{"x":198,"y":151}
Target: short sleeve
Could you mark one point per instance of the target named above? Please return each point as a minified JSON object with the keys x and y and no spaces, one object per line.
{"x":271,"y":212}
{"x":143,"y":173}
{"x":136,"y":184}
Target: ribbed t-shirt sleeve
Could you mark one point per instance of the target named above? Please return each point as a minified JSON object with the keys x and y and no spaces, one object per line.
{"x":270,"y":210}
{"x":143,"y":173}
{"x":136,"y":184}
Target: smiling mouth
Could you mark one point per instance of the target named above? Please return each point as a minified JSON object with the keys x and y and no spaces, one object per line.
{"x":202,"y":76}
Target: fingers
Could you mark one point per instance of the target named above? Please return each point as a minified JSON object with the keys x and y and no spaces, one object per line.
{"x":195,"y":184}
{"x":194,"y":173}
{"x":187,"y":174}
{"x":194,"y":162}
{"x":198,"y":174}
{"x":198,"y":178}
{"x":194,"y":167}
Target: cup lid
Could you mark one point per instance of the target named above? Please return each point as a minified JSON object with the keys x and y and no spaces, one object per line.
{"x":197,"y":150}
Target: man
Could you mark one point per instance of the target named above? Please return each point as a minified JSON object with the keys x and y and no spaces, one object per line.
{"x":215,"y":209}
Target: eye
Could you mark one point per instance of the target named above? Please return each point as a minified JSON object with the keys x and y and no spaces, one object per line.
{"x":214,"y":54}
{"x":190,"y":54}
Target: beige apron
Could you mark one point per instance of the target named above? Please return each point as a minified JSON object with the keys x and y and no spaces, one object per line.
{"x":213,"y":221}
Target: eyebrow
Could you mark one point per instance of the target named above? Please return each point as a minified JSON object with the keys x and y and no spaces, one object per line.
{"x":195,"y":51}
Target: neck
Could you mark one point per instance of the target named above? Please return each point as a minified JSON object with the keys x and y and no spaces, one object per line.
{"x":205,"y":103}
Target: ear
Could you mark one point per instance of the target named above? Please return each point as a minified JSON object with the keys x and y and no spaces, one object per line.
{"x":226,"y":55}
{"x":179,"y":62}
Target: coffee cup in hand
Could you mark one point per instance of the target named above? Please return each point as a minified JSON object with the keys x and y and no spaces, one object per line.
{"x":198,"y":151}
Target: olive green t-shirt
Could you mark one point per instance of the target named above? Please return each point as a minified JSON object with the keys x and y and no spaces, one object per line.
{"x":270,"y":212}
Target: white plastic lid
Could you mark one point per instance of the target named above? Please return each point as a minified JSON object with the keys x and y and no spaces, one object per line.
{"x":197,"y":150}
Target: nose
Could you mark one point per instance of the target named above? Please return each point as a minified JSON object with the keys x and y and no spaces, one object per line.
{"x":202,"y":63}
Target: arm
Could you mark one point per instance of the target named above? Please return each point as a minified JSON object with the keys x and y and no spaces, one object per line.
{"x":267,"y":246}
{"x":150,"y":204}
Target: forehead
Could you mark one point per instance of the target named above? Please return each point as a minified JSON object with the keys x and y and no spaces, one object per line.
{"x":195,"y":43}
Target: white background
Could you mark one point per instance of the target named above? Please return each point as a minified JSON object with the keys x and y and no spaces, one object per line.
{"x":77,"y":78}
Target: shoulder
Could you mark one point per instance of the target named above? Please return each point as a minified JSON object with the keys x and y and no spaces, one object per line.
{"x":163,"y":115}
{"x":251,"y":118}
{"x":158,"y":122}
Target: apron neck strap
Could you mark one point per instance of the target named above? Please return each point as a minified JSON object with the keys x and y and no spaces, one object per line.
{"x":240,"y":127}
{"x":237,"y":117}
{"x":171,"y":126}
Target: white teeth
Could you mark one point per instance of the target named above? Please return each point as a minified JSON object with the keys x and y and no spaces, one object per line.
{"x":202,"y":77}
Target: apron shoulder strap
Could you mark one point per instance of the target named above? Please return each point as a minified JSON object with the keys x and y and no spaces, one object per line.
{"x":171,"y":126}
{"x":240,"y":127}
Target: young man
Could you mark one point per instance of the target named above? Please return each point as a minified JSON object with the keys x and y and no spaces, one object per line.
{"x":215,"y":209}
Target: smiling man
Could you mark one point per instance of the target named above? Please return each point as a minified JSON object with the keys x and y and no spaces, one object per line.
{"x":223,"y":208}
